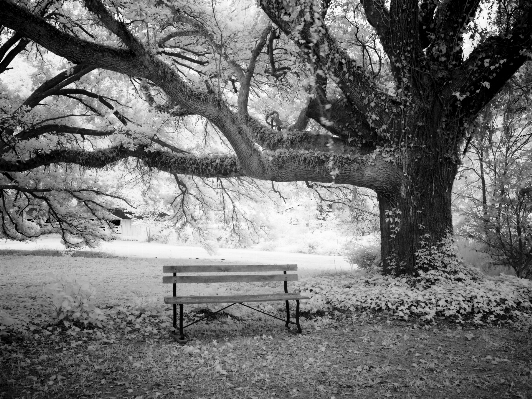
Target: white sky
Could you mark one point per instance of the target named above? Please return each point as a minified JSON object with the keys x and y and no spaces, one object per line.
{"x":17,"y":79}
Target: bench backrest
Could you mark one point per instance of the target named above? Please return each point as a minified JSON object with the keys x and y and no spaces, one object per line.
{"x":219,"y":273}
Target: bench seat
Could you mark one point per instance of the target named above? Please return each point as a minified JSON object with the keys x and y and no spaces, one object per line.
{"x":233,"y":298}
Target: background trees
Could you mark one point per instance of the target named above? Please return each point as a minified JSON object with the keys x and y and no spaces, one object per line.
{"x":372,"y":94}
{"x":497,"y":174}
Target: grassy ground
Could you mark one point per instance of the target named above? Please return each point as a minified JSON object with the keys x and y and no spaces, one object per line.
{"x":239,"y":356}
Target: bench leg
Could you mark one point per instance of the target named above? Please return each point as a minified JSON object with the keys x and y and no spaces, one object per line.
{"x":182,"y":336}
{"x":297,"y":317}
{"x":287,"y":314}
{"x":174,"y":289}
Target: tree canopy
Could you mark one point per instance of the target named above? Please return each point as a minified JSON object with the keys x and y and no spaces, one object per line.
{"x":370,"y":93}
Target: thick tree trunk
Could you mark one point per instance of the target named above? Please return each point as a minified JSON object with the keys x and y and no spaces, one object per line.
{"x":418,"y":217}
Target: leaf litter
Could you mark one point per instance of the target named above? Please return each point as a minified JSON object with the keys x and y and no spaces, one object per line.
{"x":361,"y":355}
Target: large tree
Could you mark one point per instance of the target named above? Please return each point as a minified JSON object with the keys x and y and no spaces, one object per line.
{"x":393,"y":87}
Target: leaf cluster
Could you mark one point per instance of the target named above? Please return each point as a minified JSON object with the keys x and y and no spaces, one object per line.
{"x":490,"y":301}
{"x":73,"y":304}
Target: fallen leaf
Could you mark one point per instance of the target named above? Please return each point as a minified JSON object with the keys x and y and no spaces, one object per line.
{"x":469,"y":336}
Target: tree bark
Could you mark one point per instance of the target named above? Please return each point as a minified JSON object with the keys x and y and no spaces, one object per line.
{"x":417,"y":217}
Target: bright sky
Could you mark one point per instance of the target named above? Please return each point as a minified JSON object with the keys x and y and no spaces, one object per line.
{"x":17,"y":79}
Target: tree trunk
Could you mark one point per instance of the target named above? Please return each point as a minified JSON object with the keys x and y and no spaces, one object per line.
{"x":418,"y":218}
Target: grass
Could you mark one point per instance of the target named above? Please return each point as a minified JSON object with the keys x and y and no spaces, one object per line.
{"x":243,"y":355}
{"x":56,"y":253}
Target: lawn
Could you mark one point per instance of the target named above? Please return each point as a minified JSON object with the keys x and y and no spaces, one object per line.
{"x":239,"y":354}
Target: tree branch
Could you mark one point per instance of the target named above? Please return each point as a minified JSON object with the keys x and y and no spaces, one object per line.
{"x":426,"y":21}
{"x":492,"y":63}
{"x":8,"y":44}
{"x":182,"y":57}
{"x":203,"y":31}
{"x":168,"y":107}
{"x":277,"y":73}
{"x":148,"y":66}
{"x":62,"y":129}
{"x":172,"y":35}
{"x":450,"y":20}
{"x":6,"y":59}
{"x":117,"y":27}
{"x":65,"y":129}
{"x":344,"y":122}
{"x":70,"y":47}
{"x":372,"y":172}
{"x":24,"y":189}
{"x":379,"y":18}
{"x":101,"y":99}
{"x":51,"y":86}
{"x":245,"y":82}
{"x":308,"y":31}
{"x":283,"y":164}
{"x":302,"y":120}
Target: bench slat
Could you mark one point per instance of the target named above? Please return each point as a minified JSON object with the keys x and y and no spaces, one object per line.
{"x":227,"y":268}
{"x":233,"y":298}
{"x":229,"y":278}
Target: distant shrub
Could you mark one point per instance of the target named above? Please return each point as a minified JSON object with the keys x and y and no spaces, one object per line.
{"x":491,"y":300}
{"x":363,"y":253}
{"x":56,"y":253}
{"x":33,"y":252}
{"x":477,"y":255}
{"x":92,"y":254}
{"x":158,"y":233}
{"x":72,"y":303}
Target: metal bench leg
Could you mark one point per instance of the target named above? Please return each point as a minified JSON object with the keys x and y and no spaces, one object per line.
{"x":182,"y":336}
{"x":297,"y":317}
{"x":287,"y":304}
{"x":287,"y":314}
{"x":174,"y":305}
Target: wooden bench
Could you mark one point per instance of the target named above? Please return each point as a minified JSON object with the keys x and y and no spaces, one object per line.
{"x":223,"y":274}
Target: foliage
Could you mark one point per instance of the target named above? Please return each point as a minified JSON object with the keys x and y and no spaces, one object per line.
{"x":493,"y":300}
{"x":440,"y":263}
{"x":134,"y":355}
{"x":363,"y":252}
{"x":496,"y":198}
{"x":73,"y":304}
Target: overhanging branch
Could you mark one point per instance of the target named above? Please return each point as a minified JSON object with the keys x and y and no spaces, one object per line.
{"x":70,"y":47}
{"x":245,"y":82}
{"x":209,"y":166}
{"x":62,"y":129}
{"x":308,"y":31}
{"x":115,"y":26}
{"x":62,"y":79}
